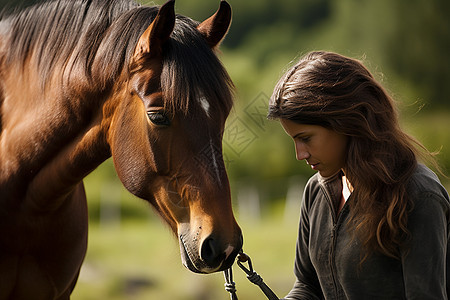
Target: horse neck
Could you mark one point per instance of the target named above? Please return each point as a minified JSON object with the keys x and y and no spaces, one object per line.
{"x":49,"y":141}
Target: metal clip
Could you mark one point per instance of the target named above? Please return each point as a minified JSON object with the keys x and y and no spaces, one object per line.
{"x":253,"y":277}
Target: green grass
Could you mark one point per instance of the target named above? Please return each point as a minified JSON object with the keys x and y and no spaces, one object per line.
{"x":146,"y":251}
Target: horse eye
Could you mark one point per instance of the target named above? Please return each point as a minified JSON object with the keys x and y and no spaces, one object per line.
{"x":158,"y":118}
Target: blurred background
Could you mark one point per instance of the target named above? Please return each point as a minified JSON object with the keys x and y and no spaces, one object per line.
{"x":406,"y":44}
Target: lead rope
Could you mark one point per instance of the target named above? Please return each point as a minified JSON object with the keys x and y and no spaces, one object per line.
{"x":252,"y":276}
{"x":230,"y":285}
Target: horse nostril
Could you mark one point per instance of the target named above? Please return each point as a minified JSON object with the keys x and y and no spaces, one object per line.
{"x":211,"y":253}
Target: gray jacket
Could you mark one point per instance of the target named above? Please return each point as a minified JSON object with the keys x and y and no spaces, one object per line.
{"x":327,"y":264}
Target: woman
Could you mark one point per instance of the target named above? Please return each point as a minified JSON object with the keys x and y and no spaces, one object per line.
{"x":374,"y":222}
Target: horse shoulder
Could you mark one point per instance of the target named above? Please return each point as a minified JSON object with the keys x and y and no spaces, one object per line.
{"x":41,"y":254}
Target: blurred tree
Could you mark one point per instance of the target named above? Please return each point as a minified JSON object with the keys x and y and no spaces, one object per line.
{"x":266,"y":14}
{"x":419,"y":47}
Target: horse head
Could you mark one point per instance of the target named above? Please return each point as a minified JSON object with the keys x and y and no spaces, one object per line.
{"x":167,"y":116}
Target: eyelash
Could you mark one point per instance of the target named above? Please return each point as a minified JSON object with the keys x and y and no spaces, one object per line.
{"x":305,"y":139}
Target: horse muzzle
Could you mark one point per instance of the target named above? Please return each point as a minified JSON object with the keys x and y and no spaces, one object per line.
{"x":210,"y":254}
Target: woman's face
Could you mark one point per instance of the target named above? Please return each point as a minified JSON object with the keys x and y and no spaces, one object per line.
{"x":323,"y":149}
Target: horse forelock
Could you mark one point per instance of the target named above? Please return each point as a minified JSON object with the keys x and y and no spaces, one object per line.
{"x":192,"y":72}
{"x":192,"y":76}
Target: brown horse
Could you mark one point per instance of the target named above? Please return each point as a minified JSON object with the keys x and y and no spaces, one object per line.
{"x":84,"y":80}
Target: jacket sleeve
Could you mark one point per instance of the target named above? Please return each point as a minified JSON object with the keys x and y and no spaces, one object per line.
{"x":426,"y":260}
{"x":307,"y":284}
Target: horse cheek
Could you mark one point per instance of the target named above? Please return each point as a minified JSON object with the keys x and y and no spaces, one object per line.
{"x":132,"y":155}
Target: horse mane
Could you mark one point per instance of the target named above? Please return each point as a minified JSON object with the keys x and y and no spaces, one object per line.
{"x":55,"y":30}
{"x":68,"y":34}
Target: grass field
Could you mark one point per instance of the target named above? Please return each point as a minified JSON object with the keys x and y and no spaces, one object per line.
{"x":140,"y":260}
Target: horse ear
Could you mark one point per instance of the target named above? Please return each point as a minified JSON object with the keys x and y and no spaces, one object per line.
{"x":158,"y":32}
{"x":216,"y":27}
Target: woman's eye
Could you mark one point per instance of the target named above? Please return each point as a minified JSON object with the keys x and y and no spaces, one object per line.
{"x":158,"y":118}
{"x":305,"y":139}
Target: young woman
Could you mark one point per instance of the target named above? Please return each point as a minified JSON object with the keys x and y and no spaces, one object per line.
{"x":374,"y":222}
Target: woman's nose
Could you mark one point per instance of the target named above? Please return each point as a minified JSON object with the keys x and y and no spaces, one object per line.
{"x":300,"y":151}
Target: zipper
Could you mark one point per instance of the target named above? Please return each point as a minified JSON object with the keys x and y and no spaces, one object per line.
{"x":335,"y":217}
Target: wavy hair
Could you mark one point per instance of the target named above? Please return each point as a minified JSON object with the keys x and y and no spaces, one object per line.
{"x":340,"y":94}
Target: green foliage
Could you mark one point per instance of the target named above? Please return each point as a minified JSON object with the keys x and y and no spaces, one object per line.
{"x":432,"y":130}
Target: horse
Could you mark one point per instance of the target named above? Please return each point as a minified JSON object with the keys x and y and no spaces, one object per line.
{"x":85,"y":80}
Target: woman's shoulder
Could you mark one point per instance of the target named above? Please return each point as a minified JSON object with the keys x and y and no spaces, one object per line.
{"x":425,"y":184}
{"x":313,"y":183}
{"x":312,"y":188}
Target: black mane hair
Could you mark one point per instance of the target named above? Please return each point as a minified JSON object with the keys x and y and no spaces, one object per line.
{"x":69,"y":34}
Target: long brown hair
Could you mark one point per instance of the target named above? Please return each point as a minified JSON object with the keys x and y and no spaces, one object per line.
{"x":339,"y":93}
